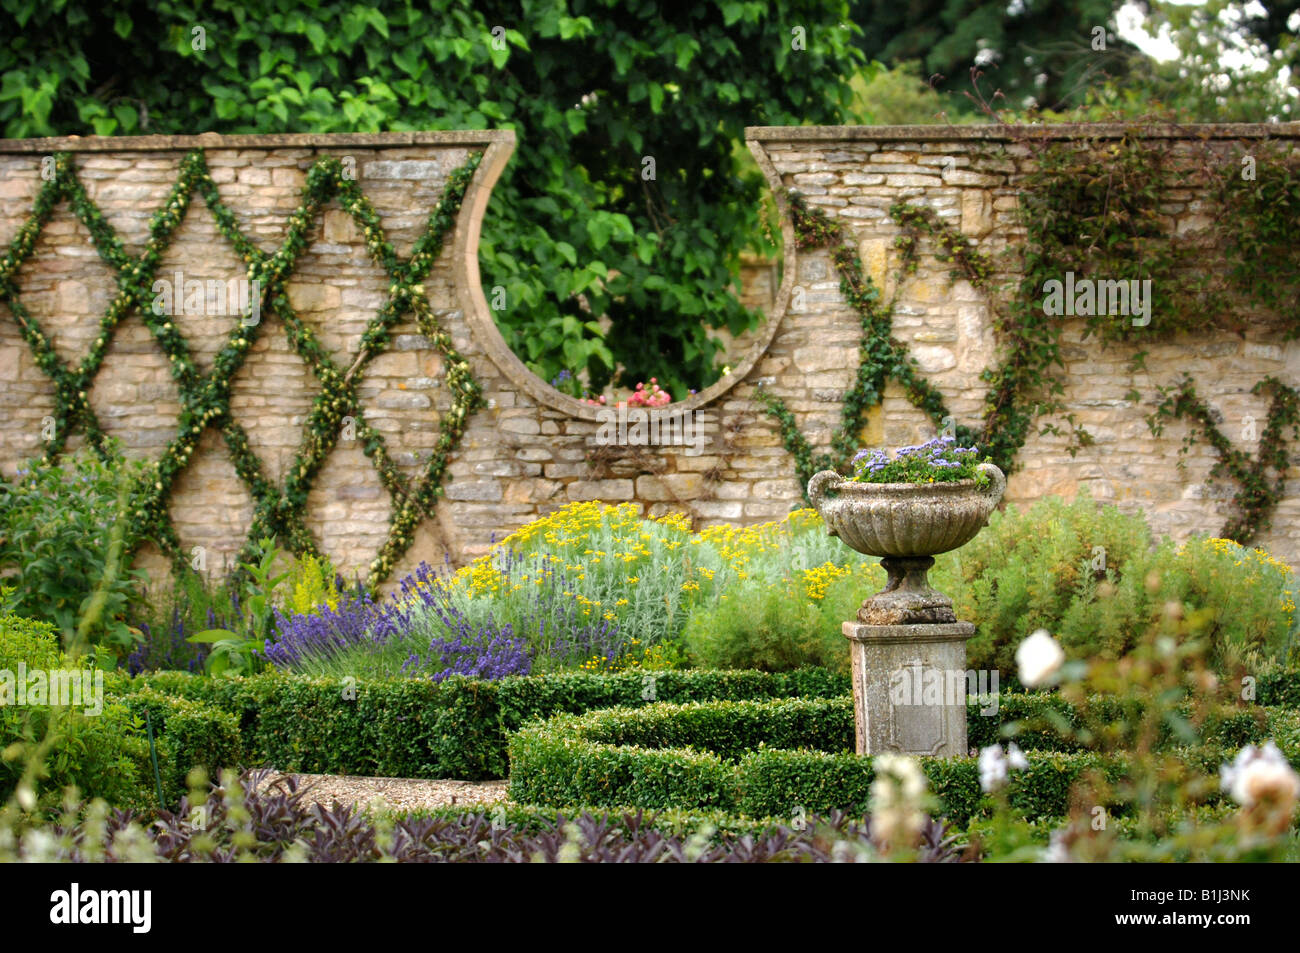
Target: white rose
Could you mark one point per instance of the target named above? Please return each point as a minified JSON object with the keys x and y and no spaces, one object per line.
{"x":995,"y":767}
{"x":1039,"y":657}
{"x":992,"y":768}
{"x":1016,"y":759}
{"x":1260,"y":774}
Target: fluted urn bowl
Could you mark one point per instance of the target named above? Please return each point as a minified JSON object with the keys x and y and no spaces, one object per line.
{"x":907,"y":525}
{"x":905,"y":519}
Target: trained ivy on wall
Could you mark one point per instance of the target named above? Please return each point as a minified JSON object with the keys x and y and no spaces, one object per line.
{"x":882,"y":357}
{"x":1097,"y":208}
{"x":1258,"y":493}
{"x":205,"y":399}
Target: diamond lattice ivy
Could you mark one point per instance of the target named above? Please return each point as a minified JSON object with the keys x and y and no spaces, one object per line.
{"x":205,"y":399}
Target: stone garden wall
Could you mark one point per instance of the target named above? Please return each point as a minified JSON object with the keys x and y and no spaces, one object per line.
{"x":969,"y":177}
{"x":532,"y":449}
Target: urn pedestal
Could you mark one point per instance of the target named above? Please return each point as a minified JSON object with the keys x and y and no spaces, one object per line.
{"x":909,"y":687}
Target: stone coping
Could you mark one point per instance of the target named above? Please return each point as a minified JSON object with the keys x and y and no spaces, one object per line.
{"x":289,"y":140}
{"x":895,"y":634}
{"x":1003,"y":132}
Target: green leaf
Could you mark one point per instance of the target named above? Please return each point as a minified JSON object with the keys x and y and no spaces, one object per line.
{"x":378,"y":20}
{"x":316,"y":36}
{"x":212,"y":635}
{"x":599,"y":230}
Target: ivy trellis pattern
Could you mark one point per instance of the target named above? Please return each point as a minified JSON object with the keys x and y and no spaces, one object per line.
{"x":205,"y":399}
{"x":881,"y":356}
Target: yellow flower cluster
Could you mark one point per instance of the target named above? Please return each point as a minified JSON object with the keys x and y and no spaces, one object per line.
{"x":816,"y":581}
{"x":653,"y":657}
{"x":1255,"y":560}
{"x":738,"y":545}
{"x":603,"y":548}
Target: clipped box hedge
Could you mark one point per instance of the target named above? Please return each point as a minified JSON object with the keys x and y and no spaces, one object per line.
{"x":457,"y":728}
{"x":768,"y":759}
{"x":188,"y":734}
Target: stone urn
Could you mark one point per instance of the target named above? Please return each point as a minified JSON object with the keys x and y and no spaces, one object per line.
{"x":908,"y":650}
{"x":906,"y":525}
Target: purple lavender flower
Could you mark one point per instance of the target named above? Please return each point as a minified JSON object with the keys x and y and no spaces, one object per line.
{"x":322,"y":632}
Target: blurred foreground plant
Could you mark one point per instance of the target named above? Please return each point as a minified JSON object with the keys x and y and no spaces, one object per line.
{"x":1161,"y":807}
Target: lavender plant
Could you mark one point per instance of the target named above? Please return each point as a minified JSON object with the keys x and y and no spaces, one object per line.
{"x":429,"y":629}
{"x":304,"y":640}
{"x":167,"y":648}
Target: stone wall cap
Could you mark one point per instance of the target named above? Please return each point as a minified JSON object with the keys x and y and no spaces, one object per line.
{"x":1003,"y":132}
{"x":212,"y":140}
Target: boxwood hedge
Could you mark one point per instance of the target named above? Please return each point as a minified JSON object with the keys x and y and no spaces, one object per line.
{"x":769,"y":759}
{"x":457,"y":728}
{"x":196,"y":734}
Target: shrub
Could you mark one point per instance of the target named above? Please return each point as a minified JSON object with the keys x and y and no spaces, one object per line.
{"x":1091,"y":576}
{"x":763,"y":626}
{"x":420,"y":729}
{"x":104,"y":756}
{"x":590,"y":586}
{"x":100,"y":754}
{"x":429,"y":628}
{"x":569,"y":761}
{"x":29,"y":641}
{"x":56,"y":534}
{"x":198,"y":735}
{"x":1251,"y":596}
{"x":528,"y":699}
{"x":694,"y":757}
{"x":728,"y":729}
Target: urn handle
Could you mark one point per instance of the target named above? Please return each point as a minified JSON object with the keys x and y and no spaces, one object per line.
{"x":997,"y":482}
{"x":818,"y":485}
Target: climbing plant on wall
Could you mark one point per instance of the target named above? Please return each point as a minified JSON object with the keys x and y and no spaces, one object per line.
{"x":205,"y":398}
{"x":1096,"y":208}
{"x":1258,"y":493}
{"x":882,"y":357}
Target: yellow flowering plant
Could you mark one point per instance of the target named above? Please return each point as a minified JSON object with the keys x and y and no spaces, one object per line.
{"x":643,"y":578}
{"x":1081,"y":569}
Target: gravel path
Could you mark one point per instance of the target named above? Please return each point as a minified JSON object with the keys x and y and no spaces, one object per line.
{"x":395,"y":793}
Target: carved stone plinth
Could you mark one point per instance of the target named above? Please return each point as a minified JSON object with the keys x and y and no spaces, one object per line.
{"x":910,"y":688}
{"x":907,"y":598}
